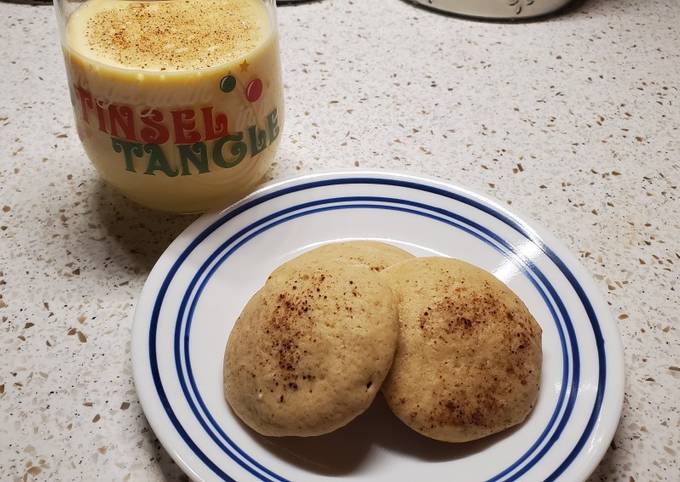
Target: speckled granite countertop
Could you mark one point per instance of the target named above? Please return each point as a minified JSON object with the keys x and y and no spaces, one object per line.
{"x":573,"y":121}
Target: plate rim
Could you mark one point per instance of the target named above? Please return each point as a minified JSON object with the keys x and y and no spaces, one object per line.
{"x":539,"y":235}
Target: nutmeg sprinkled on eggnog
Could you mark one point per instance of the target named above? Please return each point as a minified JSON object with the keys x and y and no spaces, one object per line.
{"x":168,"y":35}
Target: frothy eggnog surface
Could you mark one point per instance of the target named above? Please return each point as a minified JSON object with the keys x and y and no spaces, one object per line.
{"x":167,"y":34}
{"x":178,"y":102}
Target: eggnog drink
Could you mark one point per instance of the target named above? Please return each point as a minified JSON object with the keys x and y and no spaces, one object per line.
{"x":177,"y":102}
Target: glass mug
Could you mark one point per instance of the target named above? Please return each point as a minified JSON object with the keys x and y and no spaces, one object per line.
{"x":178,"y":103}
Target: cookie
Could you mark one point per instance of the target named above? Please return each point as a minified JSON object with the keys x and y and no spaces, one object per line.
{"x":311,"y":349}
{"x":374,"y":254}
{"x":468,"y":361}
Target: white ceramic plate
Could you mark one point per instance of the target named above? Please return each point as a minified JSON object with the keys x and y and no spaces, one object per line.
{"x":203,"y":280}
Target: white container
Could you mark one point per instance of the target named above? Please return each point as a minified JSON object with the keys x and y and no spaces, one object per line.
{"x":496,"y":9}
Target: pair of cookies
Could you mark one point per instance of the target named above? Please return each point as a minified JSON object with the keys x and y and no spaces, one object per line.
{"x":458,"y":352}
